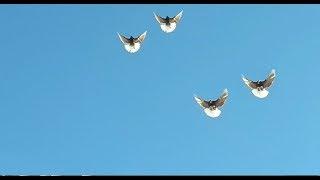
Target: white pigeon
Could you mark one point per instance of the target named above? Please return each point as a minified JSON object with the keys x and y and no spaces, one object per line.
{"x":168,"y":24}
{"x":212,"y":108}
{"x":132,"y":44}
{"x":260,"y":89}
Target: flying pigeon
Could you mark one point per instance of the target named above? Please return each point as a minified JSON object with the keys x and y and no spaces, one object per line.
{"x":211,"y":108}
{"x":132,"y":44}
{"x":168,"y":24}
{"x":260,"y":88}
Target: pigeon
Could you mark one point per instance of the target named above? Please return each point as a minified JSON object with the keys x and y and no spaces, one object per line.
{"x":260,"y":89}
{"x":168,"y":24}
{"x":132,"y":44}
{"x":211,"y":108}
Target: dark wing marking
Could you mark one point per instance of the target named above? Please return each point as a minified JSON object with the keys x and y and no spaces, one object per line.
{"x":249,"y":83}
{"x":159,"y":19}
{"x":201,"y":102}
{"x":123,"y":39}
{"x":222,"y":99}
{"x":268,"y":82}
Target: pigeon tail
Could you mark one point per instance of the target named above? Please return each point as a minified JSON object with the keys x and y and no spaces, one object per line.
{"x":260,"y":94}
{"x":212,"y":113}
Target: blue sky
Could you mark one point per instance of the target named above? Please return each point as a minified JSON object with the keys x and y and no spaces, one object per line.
{"x":73,"y":101}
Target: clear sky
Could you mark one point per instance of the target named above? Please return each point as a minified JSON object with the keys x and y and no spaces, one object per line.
{"x":73,"y":101}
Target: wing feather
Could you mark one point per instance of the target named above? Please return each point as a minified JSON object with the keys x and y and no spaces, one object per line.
{"x":249,"y":83}
{"x":177,"y":18}
{"x":222,"y":99}
{"x":269,"y":81}
{"x":123,"y":39}
{"x":204,"y":104}
{"x":140,"y":38}
{"x":159,"y":19}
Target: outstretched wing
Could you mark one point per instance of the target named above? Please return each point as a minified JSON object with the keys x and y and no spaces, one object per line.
{"x":204,"y":104}
{"x":177,"y":18}
{"x":249,"y":83}
{"x":222,"y":99}
{"x":123,"y":39}
{"x":268,"y":82}
{"x":159,"y":19}
{"x":141,"y":38}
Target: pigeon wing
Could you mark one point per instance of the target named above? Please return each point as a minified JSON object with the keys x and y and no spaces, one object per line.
{"x":141,"y":38}
{"x":159,"y":19}
{"x":177,"y":18}
{"x":268,"y":82}
{"x":222,"y":99}
{"x":123,"y":39}
{"x":249,"y":83}
{"x":204,"y":104}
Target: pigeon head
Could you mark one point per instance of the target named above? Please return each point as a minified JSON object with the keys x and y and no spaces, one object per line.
{"x":131,"y":40}
{"x":167,"y":20}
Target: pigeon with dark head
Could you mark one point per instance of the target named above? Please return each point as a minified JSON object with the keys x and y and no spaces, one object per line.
{"x":260,"y":89}
{"x":212,"y":107}
{"x":132,"y":44}
{"x":168,"y":24}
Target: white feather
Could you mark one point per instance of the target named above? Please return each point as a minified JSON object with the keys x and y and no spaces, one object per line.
{"x":226,"y":92}
{"x":132,"y":49}
{"x":273,"y":73}
{"x":170,"y":28}
{"x":143,"y":36}
{"x":197,"y":99}
{"x":212,"y":113}
{"x":260,"y":94}
{"x":155,"y":15}
{"x":245,"y":80}
{"x":120,"y":38}
{"x":178,"y":16}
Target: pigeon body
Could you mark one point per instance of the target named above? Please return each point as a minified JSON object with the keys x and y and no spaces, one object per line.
{"x":132,"y":44}
{"x":212,"y":107}
{"x":168,"y":24}
{"x":260,"y":89}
